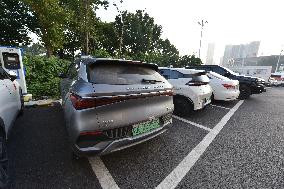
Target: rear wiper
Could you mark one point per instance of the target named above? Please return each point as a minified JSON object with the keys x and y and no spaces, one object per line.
{"x":150,"y":81}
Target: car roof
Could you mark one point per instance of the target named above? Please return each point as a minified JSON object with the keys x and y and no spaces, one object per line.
{"x":92,"y":60}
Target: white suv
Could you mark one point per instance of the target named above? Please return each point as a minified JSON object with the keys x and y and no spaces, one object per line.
{"x":11,"y":104}
{"x":191,"y":89}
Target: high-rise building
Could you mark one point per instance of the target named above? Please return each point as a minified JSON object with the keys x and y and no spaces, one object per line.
{"x":240,"y":51}
{"x":210,"y":54}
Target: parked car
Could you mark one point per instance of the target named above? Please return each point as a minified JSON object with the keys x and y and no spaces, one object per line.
{"x":11,"y":104}
{"x":248,"y":85}
{"x":223,"y":88}
{"x":112,"y":104}
{"x":191,"y":89}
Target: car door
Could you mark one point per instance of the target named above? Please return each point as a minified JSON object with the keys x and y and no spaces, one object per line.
{"x":8,"y":103}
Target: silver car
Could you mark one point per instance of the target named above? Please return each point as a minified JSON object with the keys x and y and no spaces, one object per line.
{"x":112,"y":104}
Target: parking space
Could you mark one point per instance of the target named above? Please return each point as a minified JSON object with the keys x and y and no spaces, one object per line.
{"x":207,"y":149}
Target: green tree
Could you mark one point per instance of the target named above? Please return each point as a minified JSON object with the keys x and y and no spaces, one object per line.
{"x":80,"y":30}
{"x":51,"y":17}
{"x":16,"y":22}
{"x":140,"y":33}
{"x":189,"y":60}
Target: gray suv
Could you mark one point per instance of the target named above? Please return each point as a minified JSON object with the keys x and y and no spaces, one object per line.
{"x":113,"y":104}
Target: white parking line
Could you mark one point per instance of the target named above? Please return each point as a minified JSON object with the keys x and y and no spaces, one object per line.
{"x":102,"y":173}
{"x":220,"y":106}
{"x":174,"y":178}
{"x":192,"y":123}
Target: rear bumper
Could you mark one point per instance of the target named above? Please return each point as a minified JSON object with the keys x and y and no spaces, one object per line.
{"x":106,"y":147}
{"x":226,"y":95}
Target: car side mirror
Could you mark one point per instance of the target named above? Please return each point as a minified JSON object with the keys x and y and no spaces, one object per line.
{"x":62,"y":75}
{"x":13,"y":76}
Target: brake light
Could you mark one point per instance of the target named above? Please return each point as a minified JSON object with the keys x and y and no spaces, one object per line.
{"x":80,"y":103}
{"x":15,"y":86}
{"x":228,"y":86}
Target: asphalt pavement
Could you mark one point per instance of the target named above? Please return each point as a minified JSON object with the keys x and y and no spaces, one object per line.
{"x":247,"y":152}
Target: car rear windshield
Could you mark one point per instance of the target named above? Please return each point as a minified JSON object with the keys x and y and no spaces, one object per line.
{"x":200,"y":78}
{"x":122,"y":74}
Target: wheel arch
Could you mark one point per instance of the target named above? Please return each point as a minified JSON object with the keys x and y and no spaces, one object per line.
{"x":184,"y":97}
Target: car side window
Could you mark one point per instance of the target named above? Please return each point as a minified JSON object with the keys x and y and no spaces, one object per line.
{"x":73,"y":71}
{"x":3,"y":74}
{"x":221,"y":71}
{"x":175,"y":74}
{"x":165,"y":73}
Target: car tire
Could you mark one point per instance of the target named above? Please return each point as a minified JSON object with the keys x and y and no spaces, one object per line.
{"x":182,"y":106}
{"x":4,"y":172}
{"x":22,"y":103}
{"x":245,"y":92}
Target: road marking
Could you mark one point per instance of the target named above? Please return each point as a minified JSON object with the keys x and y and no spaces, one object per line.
{"x":102,"y":173}
{"x":192,"y":123}
{"x":174,"y":178}
{"x":220,"y":107}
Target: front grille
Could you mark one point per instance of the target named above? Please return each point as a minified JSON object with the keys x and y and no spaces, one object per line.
{"x":166,"y":118}
{"x":117,"y":133}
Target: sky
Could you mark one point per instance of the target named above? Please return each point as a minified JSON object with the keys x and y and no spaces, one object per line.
{"x":229,"y":22}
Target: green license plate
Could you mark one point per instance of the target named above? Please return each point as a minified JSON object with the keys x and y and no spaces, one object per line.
{"x":145,"y":127}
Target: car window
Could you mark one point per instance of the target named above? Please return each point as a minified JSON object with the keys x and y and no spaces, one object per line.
{"x":11,"y":61}
{"x":121,"y":74}
{"x":73,"y":71}
{"x":166,"y":73}
{"x":3,"y":74}
{"x":175,"y":74}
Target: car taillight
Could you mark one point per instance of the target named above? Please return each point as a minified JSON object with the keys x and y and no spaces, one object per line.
{"x":228,"y":86}
{"x":80,"y":103}
{"x":196,"y":83}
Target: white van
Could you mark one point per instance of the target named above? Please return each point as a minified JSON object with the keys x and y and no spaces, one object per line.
{"x":11,"y":62}
{"x":191,"y":89}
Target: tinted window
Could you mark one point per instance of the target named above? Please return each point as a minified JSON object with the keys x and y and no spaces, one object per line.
{"x":121,"y":74}
{"x":200,"y":78}
{"x":73,"y":71}
{"x":3,"y":74}
{"x":175,"y":74}
{"x":166,"y":73}
{"x":11,"y":61}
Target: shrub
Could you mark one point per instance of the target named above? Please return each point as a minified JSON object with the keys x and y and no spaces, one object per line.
{"x":42,"y":75}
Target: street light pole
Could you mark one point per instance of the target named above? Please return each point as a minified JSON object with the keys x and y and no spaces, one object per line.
{"x":202,"y":24}
{"x":278,"y":61}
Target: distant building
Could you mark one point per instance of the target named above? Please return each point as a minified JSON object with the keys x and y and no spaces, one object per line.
{"x":240,"y":51}
{"x":259,"y":61}
{"x":210,"y":53}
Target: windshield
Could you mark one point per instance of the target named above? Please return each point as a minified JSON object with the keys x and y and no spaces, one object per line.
{"x":115,"y":74}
